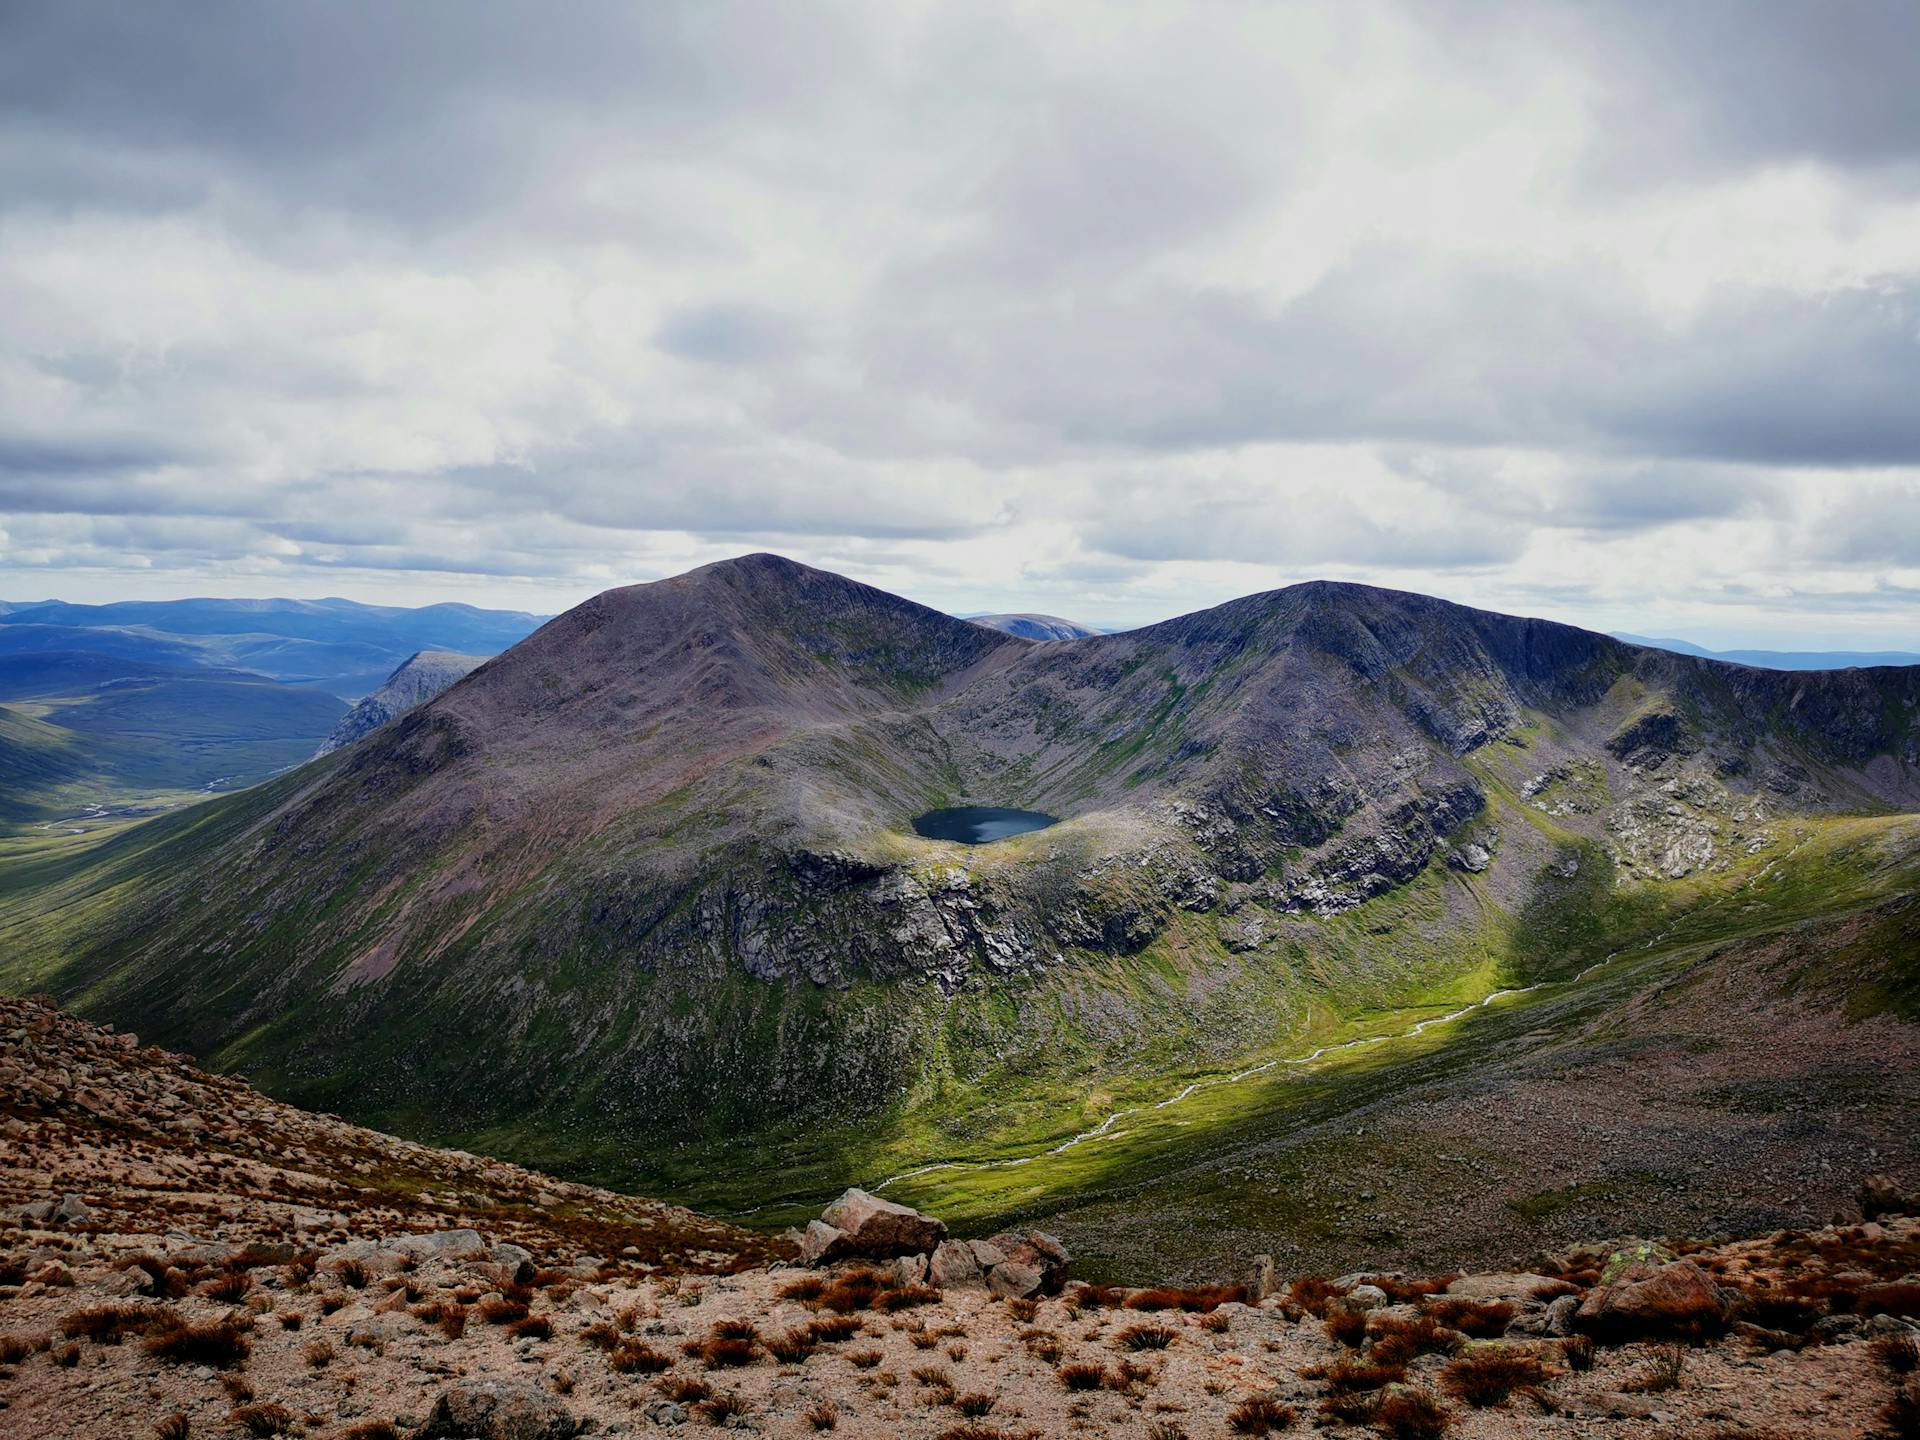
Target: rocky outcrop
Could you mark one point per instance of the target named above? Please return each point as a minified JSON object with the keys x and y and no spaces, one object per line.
{"x":1651,"y":1298}
{"x":1014,"y":1264}
{"x":865,"y":1226}
{"x":487,"y":1409}
{"x":419,"y":678}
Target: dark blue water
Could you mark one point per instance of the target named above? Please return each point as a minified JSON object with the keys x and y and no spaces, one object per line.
{"x":978,"y":824}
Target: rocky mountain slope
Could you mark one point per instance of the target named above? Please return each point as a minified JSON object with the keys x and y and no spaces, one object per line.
{"x":640,"y":897}
{"x":181,"y":1256}
{"x":419,"y":678}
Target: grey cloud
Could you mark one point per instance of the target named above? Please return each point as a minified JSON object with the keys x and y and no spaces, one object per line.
{"x":1397,"y":345}
{"x":729,"y":333}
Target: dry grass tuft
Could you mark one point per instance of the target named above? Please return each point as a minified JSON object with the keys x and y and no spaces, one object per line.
{"x":449,"y":1317}
{"x":793,"y":1347}
{"x":1896,"y":1354}
{"x":229,"y":1289}
{"x":806,"y":1289}
{"x":533,"y":1327}
{"x":636,"y":1357}
{"x":719,"y":1409}
{"x":1082,"y":1377}
{"x":1482,"y":1319}
{"x":1313,"y":1294}
{"x":834,"y":1329}
{"x":1900,"y":1416}
{"x":219,"y":1343}
{"x":318,"y":1353}
{"x":1202,"y":1299}
{"x":1147,"y":1337}
{"x":1261,"y":1414}
{"x":1346,"y":1327}
{"x":1398,"y":1341}
{"x":1488,"y":1376}
{"x":109,"y":1324}
{"x":1411,"y":1415}
{"x":1666,"y":1369}
{"x":15,"y":1348}
{"x":262,"y":1421}
{"x":824,"y":1415}
{"x":172,"y":1427}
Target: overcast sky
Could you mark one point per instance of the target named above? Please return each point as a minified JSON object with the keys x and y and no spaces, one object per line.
{"x":1607,"y":312}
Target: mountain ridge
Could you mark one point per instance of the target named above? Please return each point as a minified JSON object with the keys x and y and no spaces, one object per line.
{"x":667,"y":836}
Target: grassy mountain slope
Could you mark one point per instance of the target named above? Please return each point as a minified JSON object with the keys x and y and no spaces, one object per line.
{"x":639,"y":899}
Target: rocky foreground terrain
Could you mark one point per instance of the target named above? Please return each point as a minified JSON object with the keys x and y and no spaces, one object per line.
{"x":180,"y":1256}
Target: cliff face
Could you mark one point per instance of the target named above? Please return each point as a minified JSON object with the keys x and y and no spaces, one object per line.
{"x":653,"y":870}
{"x":417,"y":679}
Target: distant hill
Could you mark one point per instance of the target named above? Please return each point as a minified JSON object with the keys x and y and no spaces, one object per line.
{"x":117,"y":708}
{"x":422,"y":677}
{"x":339,"y":646}
{"x":1782,"y":659}
{"x":1035,"y":627}
{"x":72,"y":743}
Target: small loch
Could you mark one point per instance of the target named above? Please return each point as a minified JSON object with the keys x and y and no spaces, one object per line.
{"x":979,"y":824}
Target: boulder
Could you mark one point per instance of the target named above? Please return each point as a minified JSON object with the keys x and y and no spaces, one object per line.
{"x":439,"y":1245}
{"x":1521,"y":1286}
{"x":505,"y":1254}
{"x":879,"y":1229}
{"x":1014,"y":1280}
{"x":1261,"y":1281}
{"x":1648,"y":1300}
{"x":986,"y":1254}
{"x":1560,"y":1315}
{"x":953,"y":1266}
{"x":1366,"y":1297}
{"x":821,"y":1243}
{"x":1038,"y":1251}
{"x":1882,"y":1195}
{"x":909,"y":1269}
{"x":497,"y":1410}
{"x":1637,"y":1252}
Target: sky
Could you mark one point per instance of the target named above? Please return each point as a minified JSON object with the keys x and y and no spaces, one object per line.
{"x":1608,"y":312}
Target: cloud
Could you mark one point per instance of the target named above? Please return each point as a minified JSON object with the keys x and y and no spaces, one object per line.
{"x":1545,"y":303}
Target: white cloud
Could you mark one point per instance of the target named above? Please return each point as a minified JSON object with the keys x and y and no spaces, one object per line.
{"x":1110,"y":311}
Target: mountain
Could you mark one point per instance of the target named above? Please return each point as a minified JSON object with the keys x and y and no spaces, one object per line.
{"x":339,"y":646}
{"x":420,"y":677}
{"x":1784,"y":659}
{"x":640,"y":898}
{"x":1034,"y":627}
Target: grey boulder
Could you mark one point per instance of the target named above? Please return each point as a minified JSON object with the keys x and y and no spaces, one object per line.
{"x":497,"y":1410}
{"x":877,"y":1229}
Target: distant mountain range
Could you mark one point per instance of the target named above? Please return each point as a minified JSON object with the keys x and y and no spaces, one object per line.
{"x":340,"y":646}
{"x":1035,"y":627}
{"x":1782,"y":659}
{"x":128,"y":705}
